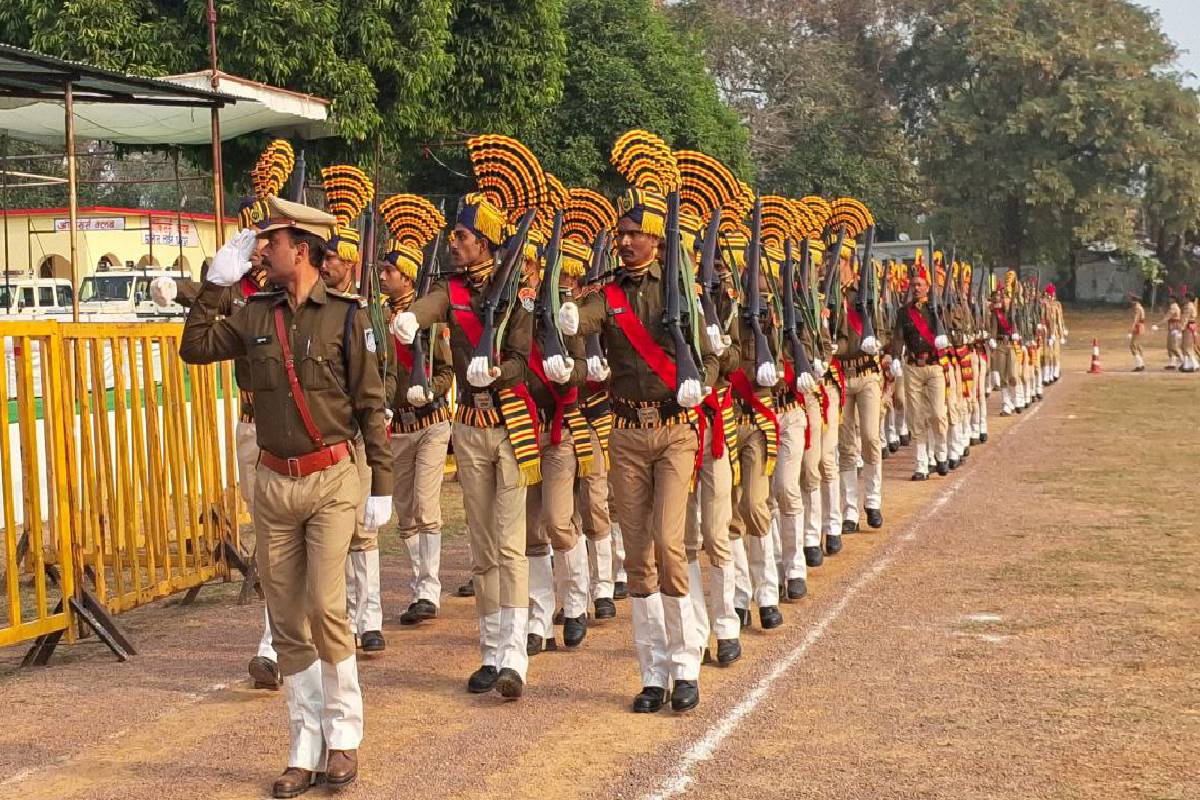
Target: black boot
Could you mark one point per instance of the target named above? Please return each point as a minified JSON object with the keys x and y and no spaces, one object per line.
{"x":728,"y":651}
{"x":770,"y":617}
{"x":849,"y":526}
{"x":467,"y":589}
{"x":953,"y":463}
{"x":796,"y":588}
{"x":905,"y":439}
{"x":534,"y":644}
{"x":620,"y":590}
{"x":943,"y":468}
{"x":605,"y":608}
{"x":482,"y":680}
{"x":743,"y":616}
{"x":419,"y":611}
{"x":685,"y":696}
{"x":509,"y":684}
{"x":574,"y":629}
{"x":983,"y":438}
{"x":833,"y":544}
{"x":373,"y":642}
{"x":874,"y":517}
{"x":920,"y":476}
{"x":649,"y":700}
{"x":813,"y":556}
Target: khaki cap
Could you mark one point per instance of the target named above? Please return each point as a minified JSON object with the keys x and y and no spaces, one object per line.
{"x":271,"y":214}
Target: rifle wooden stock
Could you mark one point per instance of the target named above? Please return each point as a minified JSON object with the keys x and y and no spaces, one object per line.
{"x":685,"y":361}
{"x":499,"y":289}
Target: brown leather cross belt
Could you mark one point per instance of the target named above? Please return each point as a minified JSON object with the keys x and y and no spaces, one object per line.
{"x":307,"y":464}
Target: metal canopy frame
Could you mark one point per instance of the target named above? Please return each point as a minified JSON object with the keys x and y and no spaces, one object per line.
{"x":28,"y":75}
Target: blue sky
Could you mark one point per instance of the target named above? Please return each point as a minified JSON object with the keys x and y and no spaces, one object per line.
{"x":1181,"y":21}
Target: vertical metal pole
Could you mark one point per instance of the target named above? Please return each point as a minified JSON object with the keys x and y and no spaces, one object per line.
{"x":72,"y":198}
{"x":218,"y":169}
{"x":4,"y":203}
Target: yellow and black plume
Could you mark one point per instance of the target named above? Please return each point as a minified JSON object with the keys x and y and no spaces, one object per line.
{"x":412,"y":223}
{"x":851,"y":214}
{"x":507,"y":172}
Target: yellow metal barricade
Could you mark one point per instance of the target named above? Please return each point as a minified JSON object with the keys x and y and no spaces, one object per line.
{"x":38,"y":574}
{"x":137,"y":486}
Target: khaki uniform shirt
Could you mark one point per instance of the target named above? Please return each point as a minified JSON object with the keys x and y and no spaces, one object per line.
{"x":399,"y":377}
{"x":632,"y":378}
{"x":907,"y":336}
{"x":340,"y":378}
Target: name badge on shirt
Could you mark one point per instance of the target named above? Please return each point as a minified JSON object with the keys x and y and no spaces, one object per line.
{"x":649,"y":416}
{"x":483,"y":401}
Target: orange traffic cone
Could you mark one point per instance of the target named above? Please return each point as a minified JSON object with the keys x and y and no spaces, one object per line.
{"x":1095,"y":368}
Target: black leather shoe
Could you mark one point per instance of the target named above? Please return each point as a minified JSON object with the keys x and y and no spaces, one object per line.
{"x":833,"y":545}
{"x":849,"y":526}
{"x":905,"y":439}
{"x":885,"y":453}
{"x":953,"y":463}
{"x":1020,"y":409}
{"x":265,"y":673}
{"x":419,"y":611}
{"x":685,"y":696}
{"x":482,"y":680}
{"x":605,"y":608}
{"x":796,"y":588}
{"x":975,"y":441}
{"x":943,"y":468}
{"x":509,"y":684}
{"x":893,"y":446}
{"x":770,"y":617}
{"x":574,"y":630}
{"x":728,"y":651}
{"x":966,"y":452}
{"x":534,"y":644}
{"x":373,"y":642}
{"x":983,"y":438}
{"x":874,"y":517}
{"x":649,"y":700}
{"x":743,"y":616}
{"x":813,"y":556}
{"x":920,"y":476}
{"x":467,"y":589}
{"x":558,"y":617}
{"x":620,"y":590}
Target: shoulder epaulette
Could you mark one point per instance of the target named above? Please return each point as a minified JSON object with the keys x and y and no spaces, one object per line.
{"x":348,"y":296}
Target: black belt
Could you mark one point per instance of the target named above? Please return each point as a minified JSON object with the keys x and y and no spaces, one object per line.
{"x":650,"y":414}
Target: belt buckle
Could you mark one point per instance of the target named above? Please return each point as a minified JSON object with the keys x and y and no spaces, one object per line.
{"x":483,"y":401}
{"x":293,"y":467}
{"x":408,"y":418}
{"x":648,"y":415}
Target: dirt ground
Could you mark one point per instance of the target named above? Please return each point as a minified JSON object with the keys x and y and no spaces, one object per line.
{"x":1027,"y":627}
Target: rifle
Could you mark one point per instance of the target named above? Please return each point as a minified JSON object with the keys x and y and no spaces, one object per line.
{"x":787,"y":274}
{"x":599,"y":261}
{"x":752,"y":313}
{"x":421,"y":287}
{"x":673,"y":315}
{"x":710,"y":283}
{"x":499,"y":292}
{"x":865,"y":301}
{"x":548,"y":301}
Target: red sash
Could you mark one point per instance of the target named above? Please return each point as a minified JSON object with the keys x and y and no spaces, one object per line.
{"x":741,"y":384}
{"x":718,"y":404}
{"x":404,"y":355}
{"x":561,"y":401}
{"x":919,"y":322}
{"x":650,"y":351}
{"x":248,"y":287}
{"x":1003,"y":320}
{"x":855,"y":320}
{"x":289,"y":364}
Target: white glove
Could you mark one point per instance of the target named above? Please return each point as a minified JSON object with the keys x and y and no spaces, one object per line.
{"x":805,"y":383}
{"x":479,"y":374}
{"x":1051,"y":341}
{"x":716,"y":339}
{"x":896,"y":368}
{"x":1176,"y":334}
{"x":941,"y":342}
{"x":819,"y":366}
{"x":568,"y":319}
{"x":558,"y":368}
{"x":1016,"y":337}
{"x":232,"y":261}
{"x":767,"y":375}
{"x":690,"y":394}
{"x":387,"y":415}
{"x":379,"y":511}
{"x":870,"y":346}
{"x":598,"y":370}
{"x":404,"y":327}
{"x":1153,"y":327}
{"x":992,"y":344}
{"x":418,"y":396}
{"x":1065,"y":334}
{"x":163,"y":290}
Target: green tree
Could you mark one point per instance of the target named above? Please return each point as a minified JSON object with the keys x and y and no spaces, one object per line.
{"x":1033,"y":121}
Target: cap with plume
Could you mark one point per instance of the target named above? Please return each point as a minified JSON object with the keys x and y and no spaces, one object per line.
{"x":412,"y":222}
{"x":510,"y":180}
{"x":270,"y":174}
{"x":587,"y":214}
{"x":348,"y":191}
{"x":648,"y":165}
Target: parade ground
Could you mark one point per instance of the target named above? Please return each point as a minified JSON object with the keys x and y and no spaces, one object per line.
{"x":1026,"y":627}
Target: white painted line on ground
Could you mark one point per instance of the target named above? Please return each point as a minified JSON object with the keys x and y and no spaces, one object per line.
{"x":680,"y":778}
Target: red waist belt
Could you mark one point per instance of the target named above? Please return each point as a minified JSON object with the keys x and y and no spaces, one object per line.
{"x":307,"y":464}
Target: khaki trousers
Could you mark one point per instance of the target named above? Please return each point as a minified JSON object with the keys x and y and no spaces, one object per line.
{"x":1135,"y":344}
{"x":1004,"y":363}
{"x":926,"y":402}
{"x":829,"y":437}
{"x":550,"y":505}
{"x":591,"y":497}
{"x":810,"y":464}
{"x":494,"y":501}
{"x":303,"y":528}
{"x":651,"y":475}
{"x":419,"y":465}
{"x":751,"y":513}
{"x":1174,"y":337}
{"x":785,"y":487}
{"x":246,"y":446}
{"x":953,"y":396}
{"x":859,"y":434}
{"x":710,"y":507}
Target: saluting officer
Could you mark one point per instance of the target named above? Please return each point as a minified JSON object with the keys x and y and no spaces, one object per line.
{"x":316,"y":384}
